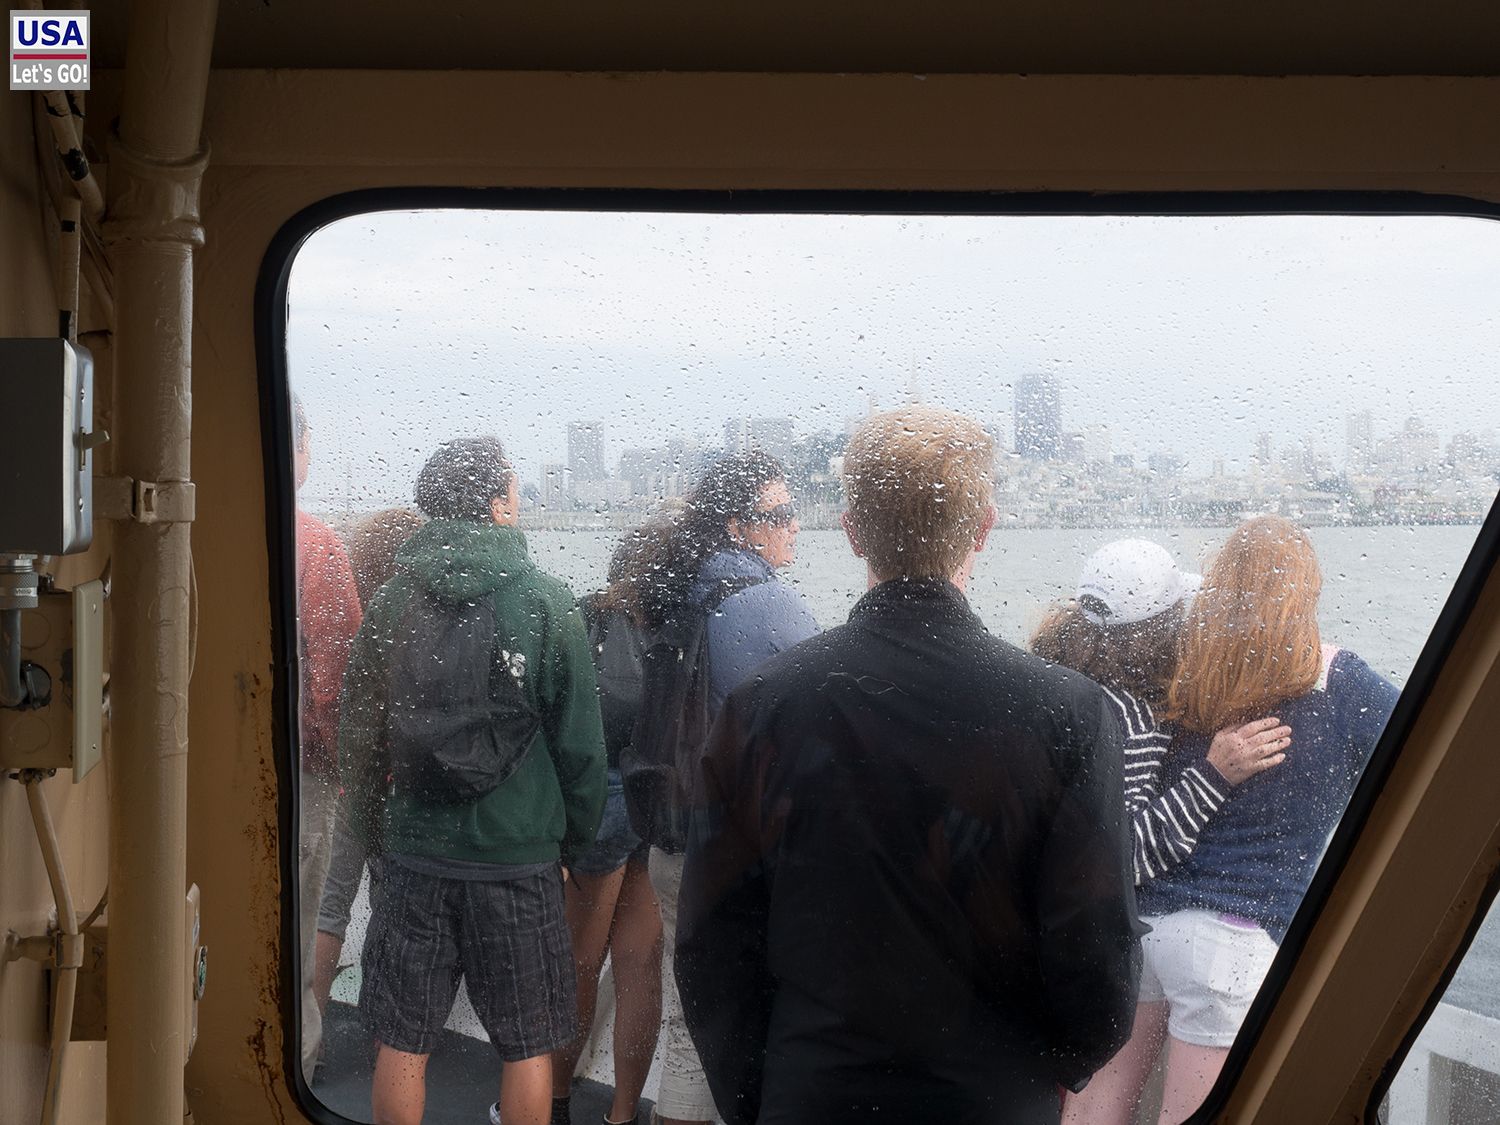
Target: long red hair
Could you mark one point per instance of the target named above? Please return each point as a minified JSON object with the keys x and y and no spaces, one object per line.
{"x":1250,"y":640}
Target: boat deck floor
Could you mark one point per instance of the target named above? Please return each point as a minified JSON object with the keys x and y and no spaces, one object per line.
{"x":463,"y":1077}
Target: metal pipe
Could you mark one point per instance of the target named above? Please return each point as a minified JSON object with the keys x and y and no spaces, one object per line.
{"x":152,"y":227}
{"x":161,"y":113}
{"x":65,"y":116}
{"x":65,"y":971}
{"x":88,"y":250}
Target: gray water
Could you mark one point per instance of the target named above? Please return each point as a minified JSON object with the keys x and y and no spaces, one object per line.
{"x":1382,"y":586}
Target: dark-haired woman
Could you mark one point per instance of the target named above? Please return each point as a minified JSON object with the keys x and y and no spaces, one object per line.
{"x":736,"y":529}
{"x":1122,"y":630}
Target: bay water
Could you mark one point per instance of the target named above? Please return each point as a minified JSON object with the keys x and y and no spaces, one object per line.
{"x":1382,"y":586}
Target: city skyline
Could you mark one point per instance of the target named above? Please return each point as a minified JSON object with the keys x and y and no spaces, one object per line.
{"x":1384,"y":474}
{"x":1167,"y":337}
{"x":1409,"y":444}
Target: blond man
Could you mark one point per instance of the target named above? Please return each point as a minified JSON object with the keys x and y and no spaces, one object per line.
{"x":908,"y":892}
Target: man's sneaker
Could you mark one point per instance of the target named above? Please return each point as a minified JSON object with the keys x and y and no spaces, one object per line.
{"x":495,"y":1114}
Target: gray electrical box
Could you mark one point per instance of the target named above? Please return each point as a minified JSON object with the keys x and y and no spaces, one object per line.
{"x":46,"y":442}
{"x":64,"y":635}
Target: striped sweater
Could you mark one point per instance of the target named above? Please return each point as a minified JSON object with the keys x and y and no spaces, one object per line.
{"x":1164,"y":823}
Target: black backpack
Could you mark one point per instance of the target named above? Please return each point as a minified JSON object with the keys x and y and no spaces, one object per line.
{"x":618,"y":645}
{"x":460,"y":722}
{"x":660,"y":763}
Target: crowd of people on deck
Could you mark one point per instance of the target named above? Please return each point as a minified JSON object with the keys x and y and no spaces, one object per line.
{"x":897,"y":869}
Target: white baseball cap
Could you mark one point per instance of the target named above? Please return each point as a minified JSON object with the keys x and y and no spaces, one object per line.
{"x":1131,"y":580}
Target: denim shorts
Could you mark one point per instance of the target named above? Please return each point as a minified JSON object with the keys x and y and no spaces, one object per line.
{"x":1208,"y":967}
{"x":615,"y":843}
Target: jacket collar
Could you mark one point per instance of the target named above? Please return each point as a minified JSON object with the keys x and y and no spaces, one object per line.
{"x":735,"y":562}
{"x":920,"y":598}
{"x":731,"y":562}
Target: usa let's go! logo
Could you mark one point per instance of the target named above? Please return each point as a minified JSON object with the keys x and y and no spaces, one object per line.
{"x":49,"y":50}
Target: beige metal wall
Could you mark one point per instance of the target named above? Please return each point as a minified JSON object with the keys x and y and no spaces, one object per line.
{"x":282,"y":140}
{"x":28,"y":308}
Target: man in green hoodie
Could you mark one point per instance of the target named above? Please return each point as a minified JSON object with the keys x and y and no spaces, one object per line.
{"x":473,"y":755}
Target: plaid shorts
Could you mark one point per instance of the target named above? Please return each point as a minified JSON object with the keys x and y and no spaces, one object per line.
{"x":507,"y":940}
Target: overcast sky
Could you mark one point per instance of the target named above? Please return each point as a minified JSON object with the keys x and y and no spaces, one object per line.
{"x":1189,"y":334}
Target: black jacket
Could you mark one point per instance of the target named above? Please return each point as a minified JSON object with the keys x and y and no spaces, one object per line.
{"x":908,"y":889}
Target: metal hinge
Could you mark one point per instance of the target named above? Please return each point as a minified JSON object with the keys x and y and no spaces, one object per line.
{"x":145,"y":501}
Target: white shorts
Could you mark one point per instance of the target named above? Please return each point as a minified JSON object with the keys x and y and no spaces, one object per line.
{"x":683,"y":1093}
{"x":1208,"y":967}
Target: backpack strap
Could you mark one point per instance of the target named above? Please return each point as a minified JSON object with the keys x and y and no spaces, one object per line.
{"x":595,"y":620}
{"x":1328,"y":653}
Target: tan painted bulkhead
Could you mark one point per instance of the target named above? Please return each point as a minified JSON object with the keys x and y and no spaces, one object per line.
{"x":282,"y":140}
{"x":28,"y":307}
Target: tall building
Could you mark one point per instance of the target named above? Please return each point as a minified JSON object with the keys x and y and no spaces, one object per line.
{"x":1265,"y":455}
{"x":1474,"y":455}
{"x":1359,"y":448}
{"x":1165,"y":465}
{"x":586,"y":452}
{"x":774,"y":435}
{"x":737,"y":435}
{"x":555,"y":487}
{"x":1038,"y":418}
{"x":1097,"y":444}
{"x":1411,"y":449}
{"x":639,"y":468}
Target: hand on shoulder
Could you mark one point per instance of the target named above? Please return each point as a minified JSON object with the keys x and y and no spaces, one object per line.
{"x":1239,"y":753}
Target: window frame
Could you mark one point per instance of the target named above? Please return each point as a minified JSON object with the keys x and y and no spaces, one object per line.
{"x":270,"y":324}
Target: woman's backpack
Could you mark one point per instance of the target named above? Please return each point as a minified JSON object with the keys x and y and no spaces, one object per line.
{"x":618,"y":646}
{"x":660,"y":764}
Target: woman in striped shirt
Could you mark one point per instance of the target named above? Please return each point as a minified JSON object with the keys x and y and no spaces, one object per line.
{"x":1122,"y":630}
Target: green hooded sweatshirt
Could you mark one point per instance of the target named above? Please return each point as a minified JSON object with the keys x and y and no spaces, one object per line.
{"x":550,"y":807}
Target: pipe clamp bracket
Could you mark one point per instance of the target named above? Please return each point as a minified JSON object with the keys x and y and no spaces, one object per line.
{"x":145,"y":501}
{"x":69,"y":953}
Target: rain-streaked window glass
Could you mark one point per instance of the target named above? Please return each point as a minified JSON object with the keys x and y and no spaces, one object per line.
{"x":1451,"y":1075}
{"x":739,"y":651}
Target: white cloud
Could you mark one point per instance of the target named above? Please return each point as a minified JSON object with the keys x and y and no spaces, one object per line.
{"x":1184,"y":333}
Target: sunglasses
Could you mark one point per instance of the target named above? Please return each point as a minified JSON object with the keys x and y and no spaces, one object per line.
{"x":780,"y":516}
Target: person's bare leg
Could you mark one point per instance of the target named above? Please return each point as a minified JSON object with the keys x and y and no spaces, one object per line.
{"x":398,"y":1093}
{"x":1191,"y":1074}
{"x":526,"y":1091}
{"x":326,"y":950}
{"x":635,"y":950}
{"x":1113,"y":1094}
{"x":589,"y":906}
